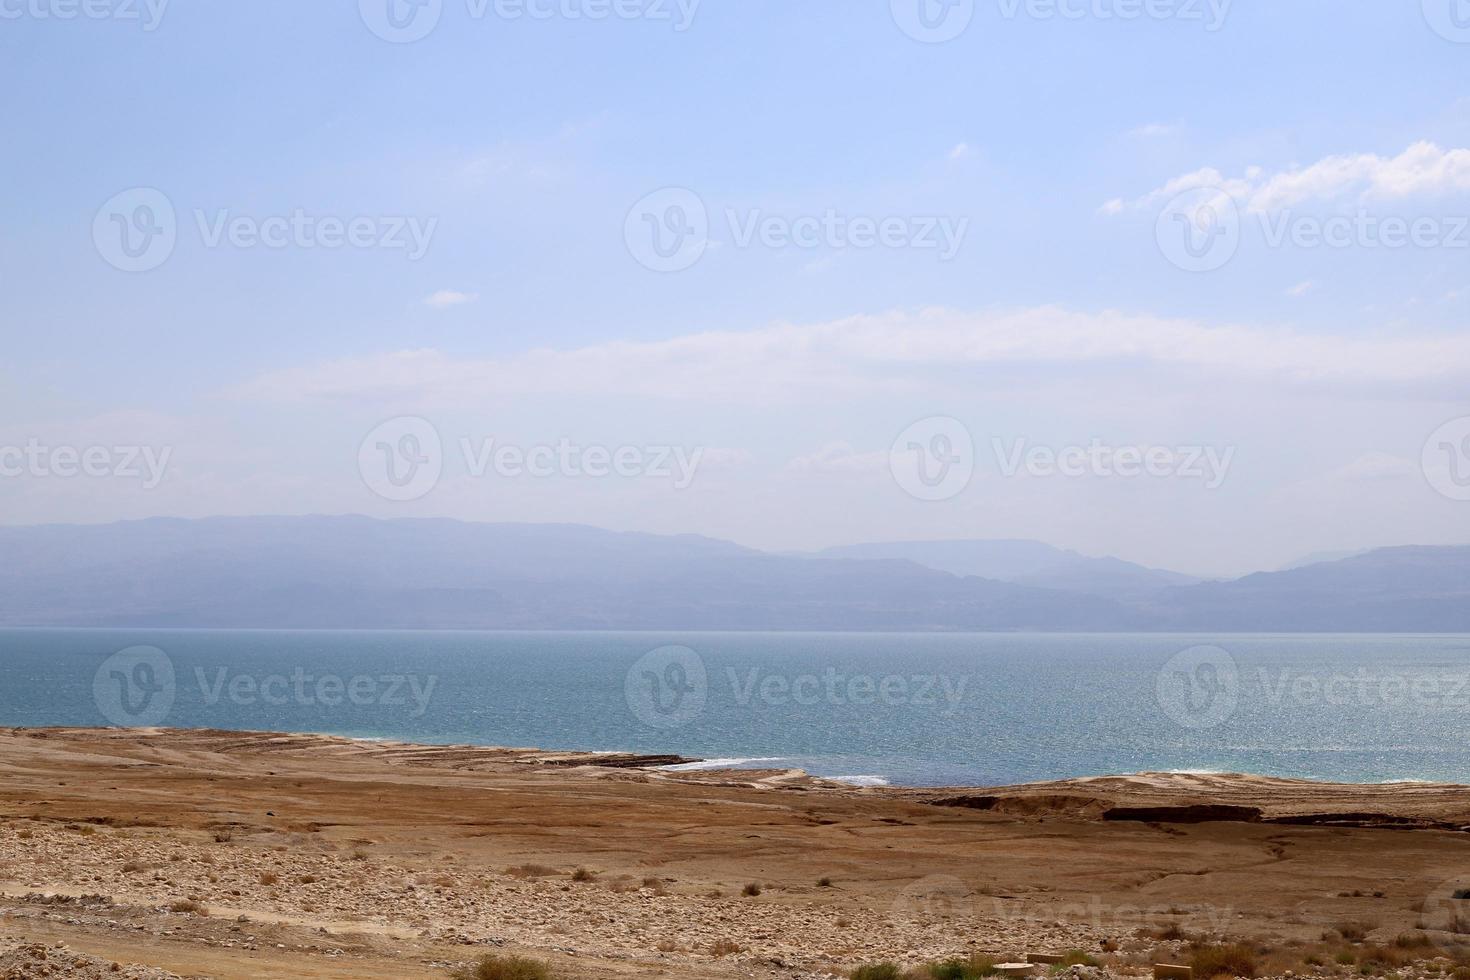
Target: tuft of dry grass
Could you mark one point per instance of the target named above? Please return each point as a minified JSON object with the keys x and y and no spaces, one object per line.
{"x":1354,"y":932}
{"x":751,"y":890}
{"x":1234,"y":960}
{"x":504,"y":968}
{"x":725,"y":947}
{"x":531,"y":871}
{"x":877,"y":971}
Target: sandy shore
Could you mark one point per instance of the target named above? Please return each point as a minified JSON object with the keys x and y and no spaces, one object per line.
{"x":228,"y":854}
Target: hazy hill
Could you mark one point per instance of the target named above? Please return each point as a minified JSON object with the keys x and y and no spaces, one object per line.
{"x":1409,"y":589}
{"x":1026,"y":563}
{"x":354,"y":572}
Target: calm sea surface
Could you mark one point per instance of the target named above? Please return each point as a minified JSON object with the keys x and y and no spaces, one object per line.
{"x":908,"y":709}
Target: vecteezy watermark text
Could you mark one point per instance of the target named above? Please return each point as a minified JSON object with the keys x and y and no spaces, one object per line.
{"x":672,"y":686}
{"x":1202,"y":229}
{"x":670,"y":230}
{"x":1204,"y":686}
{"x":308,"y":690}
{"x":1206,"y":464}
{"x":403,"y":459}
{"x":147,"y":464}
{"x":138,"y":229}
{"x":148,"y":14}
{"x":937,"y":21}
{"x":139,"y":687}
{"x":407,"y":21}
{"x":934,"y":459}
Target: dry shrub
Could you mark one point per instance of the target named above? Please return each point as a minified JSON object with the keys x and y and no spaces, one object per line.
{"x":877,"y":971}
{"x":505,"y":968}
{"x":531,"y":871}
{"x":724,"y":947}
{"x":1233,"y":960}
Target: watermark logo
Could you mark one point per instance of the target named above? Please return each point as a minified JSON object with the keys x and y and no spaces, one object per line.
{"x":1446,"y":459}
{"x":1444,"y":915}
{"x":1207,"y":464}
{"x":933,"y":897}
{"x":668,"y":230}
{"x":1199,"y":687}
{"x":1199,"y":230}
{"x":402,"y":459}
{"x":135,"y":688}
{"x":147,"y":13}
{"x":407,"y":21}
{"x":667,"y":687}
{"x":401,"y":21}
{"x":146,"y":464}
{"x":933,"y":459}
{"x":1210,"y":13}
{"x":136,"y":229}
{"x":1364,"y":229}
{"x":298,"y":688}
{"x":1450,"y":19}
{"x":928,"y":691}
{"x":932,"y":21}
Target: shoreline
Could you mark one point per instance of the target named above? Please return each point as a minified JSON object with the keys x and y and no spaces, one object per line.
{"x":1177,"y":795}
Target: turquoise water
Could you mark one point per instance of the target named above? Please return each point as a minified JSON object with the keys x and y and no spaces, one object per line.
{"x":908,"y":709}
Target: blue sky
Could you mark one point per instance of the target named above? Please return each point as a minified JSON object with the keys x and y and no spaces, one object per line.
{"x":526,"y":141}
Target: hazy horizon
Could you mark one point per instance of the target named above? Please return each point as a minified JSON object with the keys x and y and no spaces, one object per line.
{"x":728,"y":279}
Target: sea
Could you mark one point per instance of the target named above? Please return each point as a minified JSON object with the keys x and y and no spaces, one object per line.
{"x":903,"y":709}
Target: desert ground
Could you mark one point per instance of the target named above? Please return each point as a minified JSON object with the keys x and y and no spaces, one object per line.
{"x":152,"y":853}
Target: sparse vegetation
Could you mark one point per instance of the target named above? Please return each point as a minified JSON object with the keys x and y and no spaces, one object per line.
{"x":583,"y":875}
{"x":505,"y":968}
{"x":531,"y":871}
{"x":725,"y":947}
{"x":751,"y":890}
{"x":1234,"y":960}
{"x":877,"y":971}
{"x":974,"y":967}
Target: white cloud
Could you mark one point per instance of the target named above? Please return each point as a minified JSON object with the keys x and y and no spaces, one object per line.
{"x":1115,"y":206}
{"x":897,"y":352}
{"x":1302,"y":288}
{"x":839,"y":457}
{"x":446,"y":298}
{"x":1423,"y":169}
{"x":960,"y":151}
{"x":1152,"y":129}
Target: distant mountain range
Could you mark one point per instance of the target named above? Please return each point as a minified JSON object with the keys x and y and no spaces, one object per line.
{"x":1025,"y":563}
{"x":356,"y":572}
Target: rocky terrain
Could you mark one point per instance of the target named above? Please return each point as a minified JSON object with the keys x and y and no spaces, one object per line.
{"x":241,"y":855}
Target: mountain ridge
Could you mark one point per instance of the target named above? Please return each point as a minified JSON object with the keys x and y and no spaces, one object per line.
{"x":350,"y":571}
